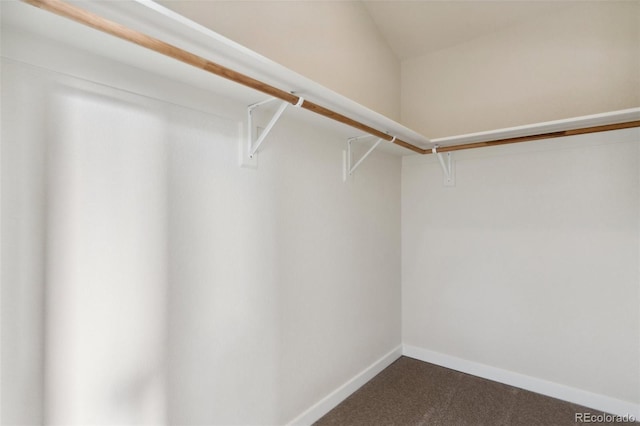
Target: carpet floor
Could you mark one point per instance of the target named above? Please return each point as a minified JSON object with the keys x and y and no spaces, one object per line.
{"x":412,"y":392}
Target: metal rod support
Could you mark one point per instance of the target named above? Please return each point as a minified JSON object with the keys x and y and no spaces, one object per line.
{"x":253,"y":146}
{"x":355,"y":166}
{"x":348,"y":168}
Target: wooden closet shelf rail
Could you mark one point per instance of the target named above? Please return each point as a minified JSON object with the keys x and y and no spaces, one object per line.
{"x":550,"y":135}
{"x":97,"y":22}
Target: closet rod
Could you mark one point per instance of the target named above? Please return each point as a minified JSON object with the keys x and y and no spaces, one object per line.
{"x":559,"y":134}
{"x":97,"y":22}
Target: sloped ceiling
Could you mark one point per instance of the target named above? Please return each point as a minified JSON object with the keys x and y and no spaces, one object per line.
{"x":415,"y":28}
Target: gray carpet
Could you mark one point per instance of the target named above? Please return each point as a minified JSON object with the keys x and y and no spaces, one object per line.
{"x":412,"y":392}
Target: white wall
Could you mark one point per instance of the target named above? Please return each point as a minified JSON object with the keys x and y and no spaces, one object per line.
{"x":584,"y":59}
{"x":176,"y":286}
{"x":22,"y":224}
{"x":530,"y":263}
{"x":335,"y":43}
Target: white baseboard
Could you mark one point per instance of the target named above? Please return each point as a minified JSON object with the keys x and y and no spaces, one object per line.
{"x":337,"y":396}
{"x":555,"y":390}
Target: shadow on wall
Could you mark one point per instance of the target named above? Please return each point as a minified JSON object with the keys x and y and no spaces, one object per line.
{"x":139,"y":311}
{"x":154,"y":281}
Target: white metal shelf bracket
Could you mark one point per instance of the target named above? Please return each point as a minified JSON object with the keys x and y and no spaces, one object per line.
{"x":348,"y":169}
{"x":254,"y":143}
{"x":448,"y":166}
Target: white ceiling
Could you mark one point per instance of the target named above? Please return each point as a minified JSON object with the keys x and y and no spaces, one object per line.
{"x":415,"y":28}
